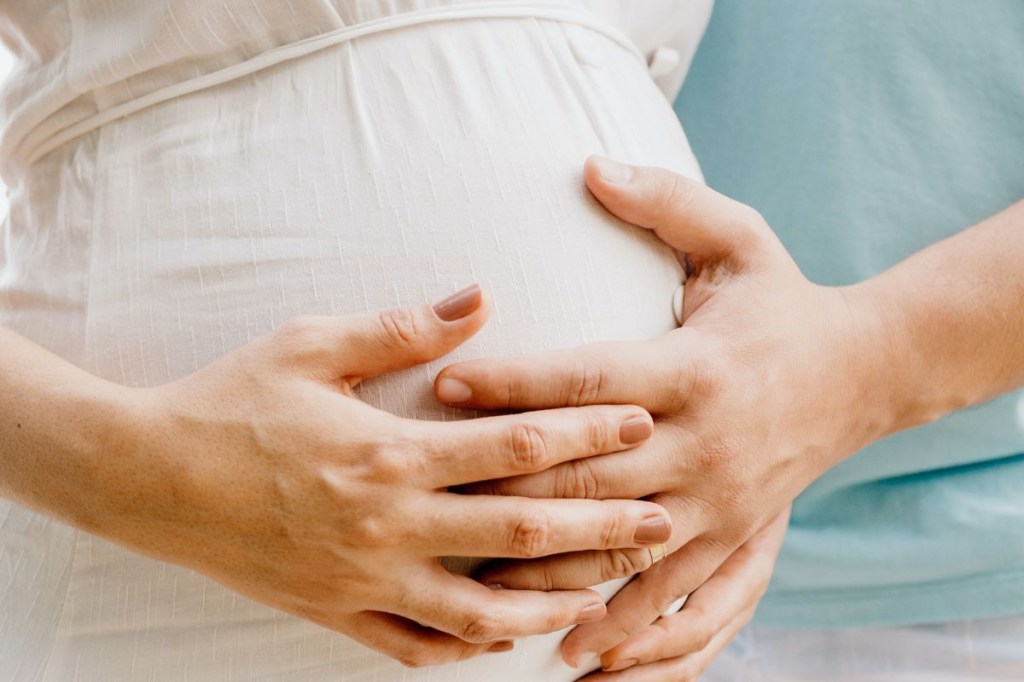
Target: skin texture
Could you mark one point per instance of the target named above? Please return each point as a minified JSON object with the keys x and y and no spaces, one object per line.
{"x":681,"y":646}
{"x":265,"y":472}
{"x":770,"y":381}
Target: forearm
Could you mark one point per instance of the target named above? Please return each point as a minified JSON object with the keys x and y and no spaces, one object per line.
{"x":56,"y":422}
{"x":950,"y":321}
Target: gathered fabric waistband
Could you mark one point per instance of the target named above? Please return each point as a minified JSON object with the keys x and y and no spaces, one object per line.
{"x":41,"y":141}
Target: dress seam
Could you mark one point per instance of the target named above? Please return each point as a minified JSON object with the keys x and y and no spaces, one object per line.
{"x":30,"y":152}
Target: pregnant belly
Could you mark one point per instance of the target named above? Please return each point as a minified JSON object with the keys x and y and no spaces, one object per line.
{"x":386,"y":171}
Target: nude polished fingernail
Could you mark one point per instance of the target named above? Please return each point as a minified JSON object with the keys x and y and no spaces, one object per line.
{"x":592,"y":613}
{"x":621,"y":665}
{"x":635,"y":429}
{"x":501,"y":647}
{"x":459,"y":304}
{"x":653,"y":529}
{"x":612,"y":172}
{"x":453,"y":391}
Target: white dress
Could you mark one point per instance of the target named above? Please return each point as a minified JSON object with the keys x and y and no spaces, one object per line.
{"x":185,"y":175}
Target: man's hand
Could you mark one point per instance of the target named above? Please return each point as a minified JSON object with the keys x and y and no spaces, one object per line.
{"x":760,"y":391}
{"x":680,"y":647}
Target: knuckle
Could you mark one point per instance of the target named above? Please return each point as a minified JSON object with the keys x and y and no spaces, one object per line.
{"x":677,"y":195}
{"x":718,"y":453}
{"x":368,"y":531}
{"x":531,"y":535}
{"x":623,"y":563}
{"x":577,"y":480}
{"x":400,"y":329}
{"x":704,"y":376}
{"x":656,"y":599}
{"x":381,"y":530}
{"x":391,"y":462}
{"x":528,"y":447}
{"x":481,"y":626}
{"x":586,"y":381}
{"x":596,"y":434}
{"x":611,"y":532}
{"x":546,"y":583}
{"x":511,"y":386}
{"x":704,"y":628}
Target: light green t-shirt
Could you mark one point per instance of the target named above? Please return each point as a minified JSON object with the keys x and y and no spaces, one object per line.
{"x":865,"y":130}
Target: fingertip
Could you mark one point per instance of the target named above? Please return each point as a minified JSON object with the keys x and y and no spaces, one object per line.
{"x":452,"y":391}
{"x":654,"y":529}
{"x":471,"y":300}
{"x":636,"y":428}
{"x":501,"y":647}
{"x":577,"y":659}
{"x":605,"y":172}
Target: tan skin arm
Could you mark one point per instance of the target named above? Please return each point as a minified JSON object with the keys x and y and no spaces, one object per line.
{"x":770,"y":382}
{"x":265,"y":472}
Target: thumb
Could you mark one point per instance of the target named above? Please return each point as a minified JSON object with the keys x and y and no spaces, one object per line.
{"x":686,"y":214}
{"x":366,"y":345}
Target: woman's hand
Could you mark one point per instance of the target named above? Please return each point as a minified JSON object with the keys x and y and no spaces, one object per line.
{"x":680,"y":647}
{"x":266,"y":473}
{"x":770,"y":381}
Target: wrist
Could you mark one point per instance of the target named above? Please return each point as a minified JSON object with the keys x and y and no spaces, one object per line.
{"x":104,"y":446}
{"x":897,"y":376}
{"x":67,"y":432}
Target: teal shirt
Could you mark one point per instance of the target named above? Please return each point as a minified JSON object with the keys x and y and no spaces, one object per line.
{"x":865,"y":130}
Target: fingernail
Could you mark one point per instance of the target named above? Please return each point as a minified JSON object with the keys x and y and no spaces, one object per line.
{"x":592,"y":613}
{"x":612,"y":172}
{"x":621,"y":665}
{"x":635,"y":429}
{"x":500,"y":647}
{"x":653,"y":529}
{"x":583,"y":658}
{"x":453,"y":391}
{"x":495,"y":586}
{"x":459,"y":304}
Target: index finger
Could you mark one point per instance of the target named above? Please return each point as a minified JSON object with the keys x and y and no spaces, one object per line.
{"x":456,"y":453}
{"x":652,"y":374}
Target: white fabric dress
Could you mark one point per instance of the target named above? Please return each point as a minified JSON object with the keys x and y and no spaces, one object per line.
{"x":185,"y":175}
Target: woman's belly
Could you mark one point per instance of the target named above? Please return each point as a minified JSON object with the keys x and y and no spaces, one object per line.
{"x":386,"y":171}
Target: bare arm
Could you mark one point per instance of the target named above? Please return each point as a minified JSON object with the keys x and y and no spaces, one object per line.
{"x":264,"y":471}
{"x":56,"y":423}
{"x":770,"y":382}
{"x":951,"y":321}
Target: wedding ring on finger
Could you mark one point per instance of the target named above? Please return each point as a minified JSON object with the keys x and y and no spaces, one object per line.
{"x":658,"y":552}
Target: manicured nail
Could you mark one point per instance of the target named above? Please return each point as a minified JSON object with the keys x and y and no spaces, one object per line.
{"x":635,"y":429}
{"x":583,"y":658}
{"x":453,"y":391}
{"x":500,"y":647}
{"x":459,"y":304}
{"x":592,"y":613}
{"x":653,"y":529}
{"x":621,"y":665}
{"x":612,"y":172}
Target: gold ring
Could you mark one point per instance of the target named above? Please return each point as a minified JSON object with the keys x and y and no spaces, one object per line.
{"x":658,"y":552}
